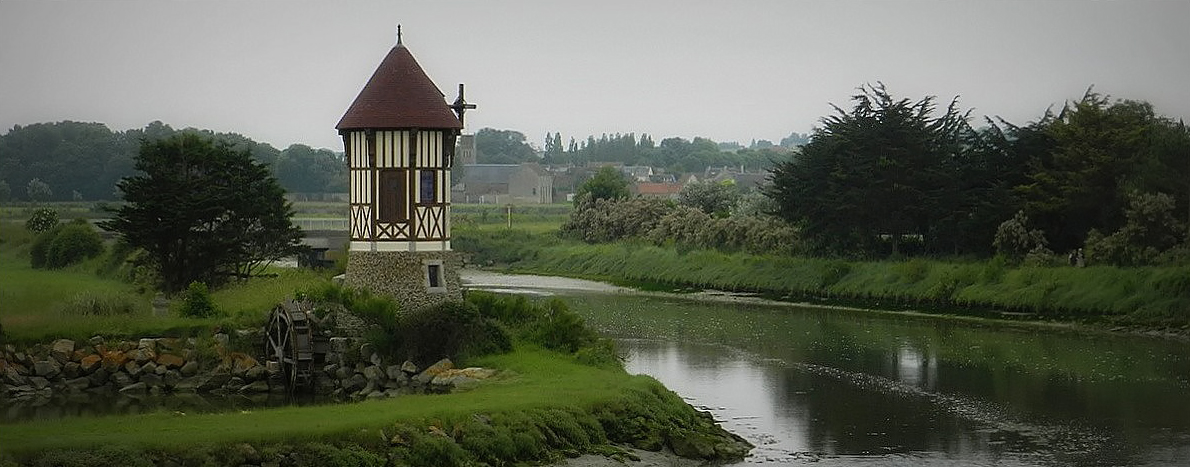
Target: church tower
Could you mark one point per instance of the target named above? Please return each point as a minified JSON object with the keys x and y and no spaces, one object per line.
{"x":399,"y":135}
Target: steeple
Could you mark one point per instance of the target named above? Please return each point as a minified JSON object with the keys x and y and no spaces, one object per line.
{"x":399,"y":95}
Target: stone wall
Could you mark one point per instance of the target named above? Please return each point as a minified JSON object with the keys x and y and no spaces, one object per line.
{"x":67,"y":370}
{"x":145,"y":366}
{"x":402,"y":275}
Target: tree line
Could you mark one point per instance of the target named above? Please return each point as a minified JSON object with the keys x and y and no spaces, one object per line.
{"x":675,"y":154}
{"x":896,"y":176}
{"x":67,"y":160}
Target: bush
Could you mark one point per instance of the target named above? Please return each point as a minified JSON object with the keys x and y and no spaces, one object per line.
{"x":451,"y":329}
{"x":436,"y":451}
{"x":714,"y":198}
{"x":663,"y":223}
{"x":64,"y":245}
{"x":73,"y":243}
{"x":605,"y":220}
{"x":39,"y":251}
{"x":326,"y":455}
{"x":42,"y":220}
{"x":561,"y":329}
{"x":1014,"y":239}
{"x":197,"y":303}
{"x":1150,"y":235}
{"x":601,"y":354}
{"x":551,"y":325}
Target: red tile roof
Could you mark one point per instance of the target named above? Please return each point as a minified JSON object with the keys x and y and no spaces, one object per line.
{"x":399,"y":95}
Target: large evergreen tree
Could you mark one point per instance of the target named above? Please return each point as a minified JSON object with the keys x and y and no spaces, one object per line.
{"x":203,"y":211}
{"x":880,"y":171}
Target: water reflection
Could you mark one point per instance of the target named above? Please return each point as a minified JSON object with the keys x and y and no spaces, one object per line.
{"x":856,"y":388}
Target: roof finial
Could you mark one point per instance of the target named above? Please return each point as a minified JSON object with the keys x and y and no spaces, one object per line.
{"x":398,"y":34}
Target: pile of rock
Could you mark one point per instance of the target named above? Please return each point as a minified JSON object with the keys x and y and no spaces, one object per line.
{"x":155,"y":366}
{"x":354,"y":370}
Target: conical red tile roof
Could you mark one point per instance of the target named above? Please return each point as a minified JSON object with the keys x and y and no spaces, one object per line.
{"x":399,"y":95}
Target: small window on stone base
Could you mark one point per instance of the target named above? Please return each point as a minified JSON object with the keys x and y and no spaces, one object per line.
{"x":435,"y":282}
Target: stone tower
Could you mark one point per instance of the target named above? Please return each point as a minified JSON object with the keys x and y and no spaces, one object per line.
{"x":399,"y":135}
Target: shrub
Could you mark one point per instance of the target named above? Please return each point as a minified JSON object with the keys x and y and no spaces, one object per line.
{"x":42,"y":220}
{"x":551,"y":325}
{"x":561,"y":329}
{"x":436,"y":451}
{"x":693,"y":228}
{"x":451,"y":329}
{"x":39,"y":251}
{"x":1014,"y":239}
{"x":1151,"y":232}
{"x":65,"y":244}
{"x":605,"y":220}
{"x":197,"y":303}
{"x":74,"y":242}
{"x":381,"y":315}
{"x":714,"y":198}
{"x":601,"y":354}
{"x":326,"y":455}
{"x":512,"y":310}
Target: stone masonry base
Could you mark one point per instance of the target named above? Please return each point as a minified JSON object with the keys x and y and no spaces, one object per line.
{"x":403,"y":276}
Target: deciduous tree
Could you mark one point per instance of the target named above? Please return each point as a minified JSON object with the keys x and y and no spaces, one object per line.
{"x":608,"y":183}
{"x":715,"y":198}
{"x":38,"y":190}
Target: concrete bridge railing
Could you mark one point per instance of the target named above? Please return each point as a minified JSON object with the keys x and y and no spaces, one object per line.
{"x":308,"y":225}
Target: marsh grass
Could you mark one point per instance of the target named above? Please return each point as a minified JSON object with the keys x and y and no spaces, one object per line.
{"x":1152,"y":296}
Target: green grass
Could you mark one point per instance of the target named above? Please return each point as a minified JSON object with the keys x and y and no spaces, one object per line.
{"x":1153,"y":296}
{"x":564,"y":403}
{"x":67,"y":210}
{"x":253,"y":299}
{"x":34,"y":303}
{"x":536,"y":218}
{"x":540,"y":377}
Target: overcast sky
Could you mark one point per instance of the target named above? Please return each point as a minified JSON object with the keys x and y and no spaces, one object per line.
{"x":285,"y":72}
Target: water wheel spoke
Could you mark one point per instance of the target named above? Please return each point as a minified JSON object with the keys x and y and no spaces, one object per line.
{"x":291,"y":343}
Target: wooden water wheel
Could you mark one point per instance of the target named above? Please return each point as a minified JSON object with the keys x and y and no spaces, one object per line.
{"x":291,"y":343}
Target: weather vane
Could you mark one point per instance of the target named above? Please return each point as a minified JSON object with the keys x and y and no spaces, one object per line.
{"x":460,"y":105}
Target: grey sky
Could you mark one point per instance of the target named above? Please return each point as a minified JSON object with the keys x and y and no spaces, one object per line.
{"x":284,"y":72}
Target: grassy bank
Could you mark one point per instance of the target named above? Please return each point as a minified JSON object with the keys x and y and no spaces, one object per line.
{"x":38,"y":305}
{"x":546,"y":405}
{"x":1127,"y":296}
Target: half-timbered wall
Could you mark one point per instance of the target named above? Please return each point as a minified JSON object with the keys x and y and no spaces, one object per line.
{"x":414,"y":164}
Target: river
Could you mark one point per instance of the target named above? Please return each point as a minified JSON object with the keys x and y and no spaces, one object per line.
{"x":846,"y":387}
